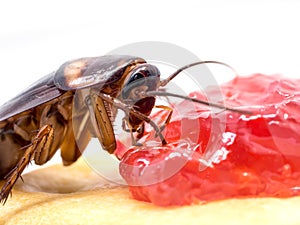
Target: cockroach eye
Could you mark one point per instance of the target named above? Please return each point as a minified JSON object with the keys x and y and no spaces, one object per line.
{"x":136,"y":76}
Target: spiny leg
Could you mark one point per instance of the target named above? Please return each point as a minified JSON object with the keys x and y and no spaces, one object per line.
{"x":129,"y":109}
{"x":167,"y":121}
{"x":101,"y":122}
{"x":35,"y":150}
{"x":125,"y":126}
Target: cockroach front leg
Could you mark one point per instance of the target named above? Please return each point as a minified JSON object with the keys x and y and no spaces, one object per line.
{"x":37,"y":150}
{"x":167,"y":121}
{"x":101,"y":122}
{"x":140,"y":132}
{"x":127,"y":109}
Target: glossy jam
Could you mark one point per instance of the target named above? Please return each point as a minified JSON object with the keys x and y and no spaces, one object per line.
{"x":233,"y":156}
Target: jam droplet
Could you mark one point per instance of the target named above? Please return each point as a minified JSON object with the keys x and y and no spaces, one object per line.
{"x":257,"y":155}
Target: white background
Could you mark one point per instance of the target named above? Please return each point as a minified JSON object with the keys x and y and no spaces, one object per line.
{"x":252,"y":36}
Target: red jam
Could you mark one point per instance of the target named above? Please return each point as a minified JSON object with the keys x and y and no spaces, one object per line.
{"x":234,"y":155}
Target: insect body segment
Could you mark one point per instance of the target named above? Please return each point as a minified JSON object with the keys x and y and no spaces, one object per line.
{"x":142,"y":78}
{"x":101,"y":71}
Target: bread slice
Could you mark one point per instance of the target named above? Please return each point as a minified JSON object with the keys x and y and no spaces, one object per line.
{"x":77,"y":195}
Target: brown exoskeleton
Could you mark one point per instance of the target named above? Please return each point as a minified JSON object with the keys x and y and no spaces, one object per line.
{"x":39,"y":121}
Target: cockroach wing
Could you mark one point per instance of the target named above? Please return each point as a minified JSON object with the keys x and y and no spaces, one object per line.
{"x":38,"y":93}
{"x":88,"y":72}
{"x":72,"y":75}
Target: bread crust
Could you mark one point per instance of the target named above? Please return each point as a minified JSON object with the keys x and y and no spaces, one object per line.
{"x":77,"y":195}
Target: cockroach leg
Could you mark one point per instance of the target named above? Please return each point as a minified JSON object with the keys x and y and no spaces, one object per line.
{"x":167,"y":121}
{"x":129,"y":109}
{"x":36,"y":150}
{"x":125,"y":126}
{"x":101,"y":123}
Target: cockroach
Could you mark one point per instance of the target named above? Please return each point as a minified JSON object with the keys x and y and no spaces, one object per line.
{"x":39,"y":121}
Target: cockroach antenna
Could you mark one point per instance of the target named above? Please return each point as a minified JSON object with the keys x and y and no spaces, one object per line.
{"x":173,"y":75}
